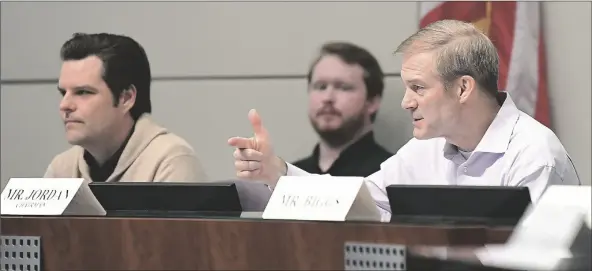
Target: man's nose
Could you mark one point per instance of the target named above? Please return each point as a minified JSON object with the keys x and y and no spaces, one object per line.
{"x":409,"y":102}
{"x":66,"y":104}
{"x":329,"y":94}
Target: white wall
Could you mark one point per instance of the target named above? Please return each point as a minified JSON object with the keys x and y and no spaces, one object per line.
{"x":232,"y":38}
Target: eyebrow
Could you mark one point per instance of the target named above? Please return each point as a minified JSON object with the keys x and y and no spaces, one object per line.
{"x":332,"y":81}
{"x":414,"y":81}
{"x":83,"y":87}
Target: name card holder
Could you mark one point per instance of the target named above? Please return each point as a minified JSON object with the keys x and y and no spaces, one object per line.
{"x":321,"y":198}
{"x":554,"y":233}
{"x":49,"y":197}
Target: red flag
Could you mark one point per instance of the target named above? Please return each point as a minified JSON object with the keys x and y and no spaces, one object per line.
{"x":515,"y":30}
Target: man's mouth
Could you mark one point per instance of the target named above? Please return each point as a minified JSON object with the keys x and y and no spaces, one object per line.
{"x":72,"y":121}
{"x":334,"y":114}
{"x":417,"y":119}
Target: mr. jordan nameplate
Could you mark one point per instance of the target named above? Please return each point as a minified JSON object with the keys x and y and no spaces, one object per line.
{"x":38,"y":196}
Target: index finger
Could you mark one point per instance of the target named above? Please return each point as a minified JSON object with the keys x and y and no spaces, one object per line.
{"x":258,"y":129}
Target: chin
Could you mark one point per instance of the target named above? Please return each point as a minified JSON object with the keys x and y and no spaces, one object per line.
{"x":74,"y":140}
{"x":421,"y":135}
{"x":328,"y":126}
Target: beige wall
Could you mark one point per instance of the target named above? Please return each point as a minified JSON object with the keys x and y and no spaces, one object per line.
{"x":210,"y":39}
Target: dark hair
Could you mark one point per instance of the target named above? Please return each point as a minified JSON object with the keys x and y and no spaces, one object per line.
{"x":124,"y":64}
{"x":353,"y":54}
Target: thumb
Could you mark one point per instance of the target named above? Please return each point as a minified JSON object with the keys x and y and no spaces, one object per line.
{"x":260,"y":131}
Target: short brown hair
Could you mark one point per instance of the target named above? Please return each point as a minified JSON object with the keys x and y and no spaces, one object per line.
{"x":461,"y":49}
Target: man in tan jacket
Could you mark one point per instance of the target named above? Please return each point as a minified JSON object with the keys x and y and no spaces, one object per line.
{"x":105,"y":84}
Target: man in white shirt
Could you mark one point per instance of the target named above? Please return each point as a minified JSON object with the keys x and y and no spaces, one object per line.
{"x":466,"y":132}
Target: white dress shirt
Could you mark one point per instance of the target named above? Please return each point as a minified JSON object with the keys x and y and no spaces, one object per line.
{"x":516,"y":150}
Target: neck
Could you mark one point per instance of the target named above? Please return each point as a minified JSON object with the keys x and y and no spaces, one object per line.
{"x":474,"y":125}
{"x":328,"y":154}
{"x":103,"y":151}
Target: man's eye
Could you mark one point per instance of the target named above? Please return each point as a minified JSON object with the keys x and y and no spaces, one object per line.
{"x":83,"y":92}
{"x":320,"y":86}
{"x":416,"y":87}
{"x":344,"y":86}
{"x":347,"y":87}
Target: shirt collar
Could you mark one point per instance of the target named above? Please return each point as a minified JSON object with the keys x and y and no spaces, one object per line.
{"x":497,"y":137}
{"x":101,"y":172}
{"x":360,"y":145}
{"x":144,"y":131}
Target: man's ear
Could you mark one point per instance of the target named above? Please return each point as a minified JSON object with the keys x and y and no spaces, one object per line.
{"x":465,"y":86}
{"x":127,"y":99}
{"x":373,"y":104}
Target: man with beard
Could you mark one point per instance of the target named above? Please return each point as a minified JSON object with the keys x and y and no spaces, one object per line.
{"x":466,"y":132}
{"x":345,"y":86}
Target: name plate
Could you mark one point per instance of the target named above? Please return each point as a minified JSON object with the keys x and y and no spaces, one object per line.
{"x":555,"y":230}
{"x":39,"y":196}
{"x":321,"y":198}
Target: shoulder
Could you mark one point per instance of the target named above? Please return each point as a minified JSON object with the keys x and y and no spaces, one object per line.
{"x":169,"y":145}
{"x":536,"y":142}
{"x":381,"y":153}
{"x":68,"y":156}
{"x":64,"y":163}
{"x":535,"y":148}
{"x":372,"y":161}
{"x":174,"y":159}
{"x":157,"y":141}
{"x":300,"y":162}
{"x":308,"y":163}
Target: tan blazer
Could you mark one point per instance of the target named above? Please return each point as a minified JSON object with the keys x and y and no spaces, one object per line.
{"x":152,"y":154}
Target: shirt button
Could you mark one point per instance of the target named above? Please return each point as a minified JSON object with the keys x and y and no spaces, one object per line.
{"x":465,"y":169}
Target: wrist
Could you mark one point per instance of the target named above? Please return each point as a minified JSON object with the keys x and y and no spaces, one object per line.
{"x":281,"y":166}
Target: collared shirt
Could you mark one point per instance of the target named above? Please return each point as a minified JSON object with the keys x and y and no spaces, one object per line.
{"x":516,"y":150}
{"x":100,"y":173}
{"x":361,"y":158}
